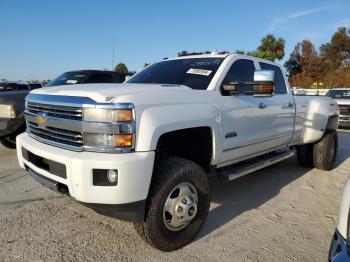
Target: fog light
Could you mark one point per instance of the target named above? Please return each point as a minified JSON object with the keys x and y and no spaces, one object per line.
{"x":112,"y":175}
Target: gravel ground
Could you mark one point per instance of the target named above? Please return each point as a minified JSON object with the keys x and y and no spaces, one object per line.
{"x":282,"y":213}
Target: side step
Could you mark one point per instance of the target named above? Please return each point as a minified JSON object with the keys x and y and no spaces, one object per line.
{"x":249,"y":166}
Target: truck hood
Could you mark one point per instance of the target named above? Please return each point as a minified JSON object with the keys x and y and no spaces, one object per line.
{"x":107,"y":92}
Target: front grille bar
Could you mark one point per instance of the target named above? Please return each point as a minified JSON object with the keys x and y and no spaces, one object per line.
{"x":55,"y":111}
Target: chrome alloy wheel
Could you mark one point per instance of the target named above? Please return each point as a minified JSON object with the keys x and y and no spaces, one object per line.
{"x":180,"y":206}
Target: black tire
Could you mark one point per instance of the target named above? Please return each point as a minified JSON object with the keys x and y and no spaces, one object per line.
{"x":167,"y":175}
{"x":325,"y":151}
{"x":305,"y":155}
{"x":9,"y":143}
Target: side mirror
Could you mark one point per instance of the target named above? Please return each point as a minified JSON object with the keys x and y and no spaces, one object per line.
{"x":264,"y":83}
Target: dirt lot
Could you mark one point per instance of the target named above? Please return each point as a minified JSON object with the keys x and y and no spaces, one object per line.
{"x":283,"y":213}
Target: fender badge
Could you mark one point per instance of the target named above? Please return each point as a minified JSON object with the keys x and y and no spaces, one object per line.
{"x":231,"y":134}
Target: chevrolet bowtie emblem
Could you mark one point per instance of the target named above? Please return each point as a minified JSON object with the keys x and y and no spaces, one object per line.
{"x":41,"y":121}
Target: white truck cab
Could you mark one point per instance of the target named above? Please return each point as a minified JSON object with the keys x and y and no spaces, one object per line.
{"x":141,"y":150}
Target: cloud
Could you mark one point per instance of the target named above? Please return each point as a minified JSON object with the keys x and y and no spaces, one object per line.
{"x":282,"y":20}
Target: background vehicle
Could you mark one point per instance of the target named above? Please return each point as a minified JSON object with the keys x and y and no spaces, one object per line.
{"x":33,"y":86}
{"x":88,"y":77}
{"x":12,"y":121}
{"x":339,"y":249}
{"x":15,"y":86}
{"x":141,"y":150}
{"x":342,"y":97}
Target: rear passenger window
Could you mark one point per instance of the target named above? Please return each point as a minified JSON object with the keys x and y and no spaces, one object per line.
{"x":241,"y":71}
{"x":280,"y":84}
{"x":101,"y":78}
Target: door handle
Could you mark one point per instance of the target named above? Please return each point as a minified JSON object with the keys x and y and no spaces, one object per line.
{"x":262,"y":106}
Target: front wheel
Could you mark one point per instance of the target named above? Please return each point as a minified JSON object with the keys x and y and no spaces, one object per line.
{"x":178,"y":204}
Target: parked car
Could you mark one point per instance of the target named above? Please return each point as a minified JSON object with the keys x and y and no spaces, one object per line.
{"x":88,"y":77}
{"x":141,"y":150}
{"x":14,"y":86}
{"x":12,"y":120}
{"x":342,"y":97}
{"x":339,"y":249}
{"x":35,"y":86}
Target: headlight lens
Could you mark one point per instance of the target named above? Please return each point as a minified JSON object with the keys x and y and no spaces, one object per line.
{"x":7,"y":111}
{"x":101,"y":140}
{"x":107,"y":140}
{"x":108,"y":115}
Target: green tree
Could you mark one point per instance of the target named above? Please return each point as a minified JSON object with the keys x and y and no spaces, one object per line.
{"x":270,"y":48}
{"x":182,"y":53}
{"x":121,"y":68}
{"x":336,"y":53}
{"x":304,"y":65}
{"x":239,"y":51}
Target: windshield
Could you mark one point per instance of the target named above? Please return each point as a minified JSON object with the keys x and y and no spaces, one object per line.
{"x":195,"y":73}
{"x":339,"y":94}
{"x":69,"y":78}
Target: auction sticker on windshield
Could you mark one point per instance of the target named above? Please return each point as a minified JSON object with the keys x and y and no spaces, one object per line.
{"x":196,"y":71}
{"x":72,"y":81}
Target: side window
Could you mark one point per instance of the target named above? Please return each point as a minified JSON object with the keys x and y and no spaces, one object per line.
{"x":100,"y":78}
{"x":279,"y":80}
{"x":241,"y":71}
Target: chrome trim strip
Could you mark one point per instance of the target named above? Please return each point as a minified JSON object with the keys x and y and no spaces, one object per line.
{"x":85,"y":126}
{"x":61,"y":123}
{"x":53,"y":143}
{"x":77,"y":136}
{"x":254,"y":143}
{"x":73,"y":101}
{"x":83,"y":148}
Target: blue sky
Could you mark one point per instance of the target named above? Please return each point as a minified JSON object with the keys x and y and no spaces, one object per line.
{"x":41,"y":39}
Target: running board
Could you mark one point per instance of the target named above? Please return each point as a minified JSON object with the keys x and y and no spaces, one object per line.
{"x":238,"y":170}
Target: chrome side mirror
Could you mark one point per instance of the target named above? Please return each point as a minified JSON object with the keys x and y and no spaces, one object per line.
{"x":264,"y":83}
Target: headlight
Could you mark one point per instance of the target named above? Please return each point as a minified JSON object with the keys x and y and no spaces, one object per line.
{"x":108,"y":140}
{"x":7,"y":111}
{"x":108,"y":115}
{"x":109,"y":129}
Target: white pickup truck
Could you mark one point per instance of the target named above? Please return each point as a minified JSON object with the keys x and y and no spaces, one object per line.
{"x":141,"y":150}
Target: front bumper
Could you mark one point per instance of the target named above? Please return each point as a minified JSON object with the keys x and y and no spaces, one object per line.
{"x":339,"y":250}
{"x":134,"y":174}
{"x":9,"y":126}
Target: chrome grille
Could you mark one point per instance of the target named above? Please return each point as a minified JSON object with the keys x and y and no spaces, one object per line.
{"x":55,"y":135}
{"x":66,"y":137}
{"x":67,"y":112}
{"x":344,"y":109}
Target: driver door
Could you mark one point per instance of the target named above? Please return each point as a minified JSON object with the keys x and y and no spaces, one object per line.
{"x":246,"y":128}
